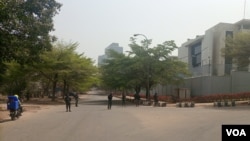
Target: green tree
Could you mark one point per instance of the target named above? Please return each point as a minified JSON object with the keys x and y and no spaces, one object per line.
{"x":167,"y":69}
{"x":143,"y":67}
{"x":64,"y":66}
{"x":25,"y":27}
{"x":115,"y":72}
{"x":79,"y":72}
{"x":16,"y":78}
{"x":158,"y":66}
{"x":238,"y":49}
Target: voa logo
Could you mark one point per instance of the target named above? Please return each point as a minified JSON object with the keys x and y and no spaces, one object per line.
{"x":236,"y":132}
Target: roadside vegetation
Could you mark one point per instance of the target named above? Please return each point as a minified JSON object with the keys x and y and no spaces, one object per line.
{"x":142,"y":68}
{"x":32,"y":62}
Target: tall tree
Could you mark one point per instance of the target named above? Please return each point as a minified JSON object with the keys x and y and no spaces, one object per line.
{"x":64,"y":66}
{"x":144,"y":67}
{"x":25,"y":27}
{"x":115,"y":74}
{"x":159,"y":67}
{"x":16,"y":78}
{"x":238,"y":49}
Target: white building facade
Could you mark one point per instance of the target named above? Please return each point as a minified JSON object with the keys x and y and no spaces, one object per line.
{"x":203,"y":54}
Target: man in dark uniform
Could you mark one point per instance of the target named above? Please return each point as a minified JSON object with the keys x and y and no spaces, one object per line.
{"x":110,"y":96}
{"x":67,"y":100}
{"x":155,"y":99}
{"x":76,"y":99}
{"x":123,"y":99}
{"x":137,"y":99}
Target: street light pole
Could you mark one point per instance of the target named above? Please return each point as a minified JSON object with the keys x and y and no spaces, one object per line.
{"x":147,"y":64}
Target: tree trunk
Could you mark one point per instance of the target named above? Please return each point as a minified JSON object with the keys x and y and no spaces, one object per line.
{"x":65,"y":88}
{"x":54,"y":87}
{"x":137,"y":89}
{"x":147,"y":94}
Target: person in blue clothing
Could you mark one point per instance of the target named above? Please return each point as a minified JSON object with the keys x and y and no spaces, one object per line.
{"x":19,"y":103}
{"x":11,"y":100}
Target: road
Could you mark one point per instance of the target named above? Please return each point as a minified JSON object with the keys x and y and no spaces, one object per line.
{"x":91,"y":121}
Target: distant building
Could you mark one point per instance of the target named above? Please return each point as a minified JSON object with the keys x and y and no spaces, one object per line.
{"x":203,"y":53}
{"x":113,"y":46}
{"x":101,"y":58}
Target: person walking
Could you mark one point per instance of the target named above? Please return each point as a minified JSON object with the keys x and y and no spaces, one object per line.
{"x":110,"y":96}
{"x":67,"y":100}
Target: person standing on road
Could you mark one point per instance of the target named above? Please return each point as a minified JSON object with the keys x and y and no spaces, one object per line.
{"x":123,"y":99}
{"x":155,"y":99}
{"x":110,"y":96}
{"x":67,"y":100}
{"x":137,"y":99}
{"x":76,"y":99}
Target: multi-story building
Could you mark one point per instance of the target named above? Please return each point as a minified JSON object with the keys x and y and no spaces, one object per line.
{"x":113,"y":46}
{"x":203,"y":53}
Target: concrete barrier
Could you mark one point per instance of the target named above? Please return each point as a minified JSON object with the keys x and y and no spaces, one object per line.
{"x":147,"y":103}
{"x":191,"y":104}
{"x":178,"y":104}
{"x":185,"y":104}
{"x":130,"y":99}
{"x":163,"y":104}
{"x":159,"y":104}
{"x":224,"y":103}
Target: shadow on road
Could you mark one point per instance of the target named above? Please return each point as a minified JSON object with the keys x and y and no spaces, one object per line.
{"x":5,"y":120}
{"x":235,"y":108}
{"x":94,"y":102}
{"x":104,"y":102}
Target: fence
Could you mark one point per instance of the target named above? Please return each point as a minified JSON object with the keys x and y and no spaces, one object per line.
{"x":238,"y":81}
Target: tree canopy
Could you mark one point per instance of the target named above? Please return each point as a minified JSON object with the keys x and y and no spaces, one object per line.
{"x":60,"y":68}
{"x":64,"y":66}
{"x":143,"y":67}
{"x":238,"y":48}
{"x":28,"y":54}
{"x":25,"y":27}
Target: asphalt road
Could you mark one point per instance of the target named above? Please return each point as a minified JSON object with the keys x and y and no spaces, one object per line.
{"x":92,"y":121}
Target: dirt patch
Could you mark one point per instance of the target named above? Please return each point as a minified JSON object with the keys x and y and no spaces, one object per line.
{"x":4,"y":113}
{"x":33,"y":105}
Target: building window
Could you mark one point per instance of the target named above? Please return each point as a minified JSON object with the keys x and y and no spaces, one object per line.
{"x":228,"y":60}
{"x":196,"y":54}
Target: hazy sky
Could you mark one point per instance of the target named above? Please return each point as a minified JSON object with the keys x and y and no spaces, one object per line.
{"x":95,"y":24}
